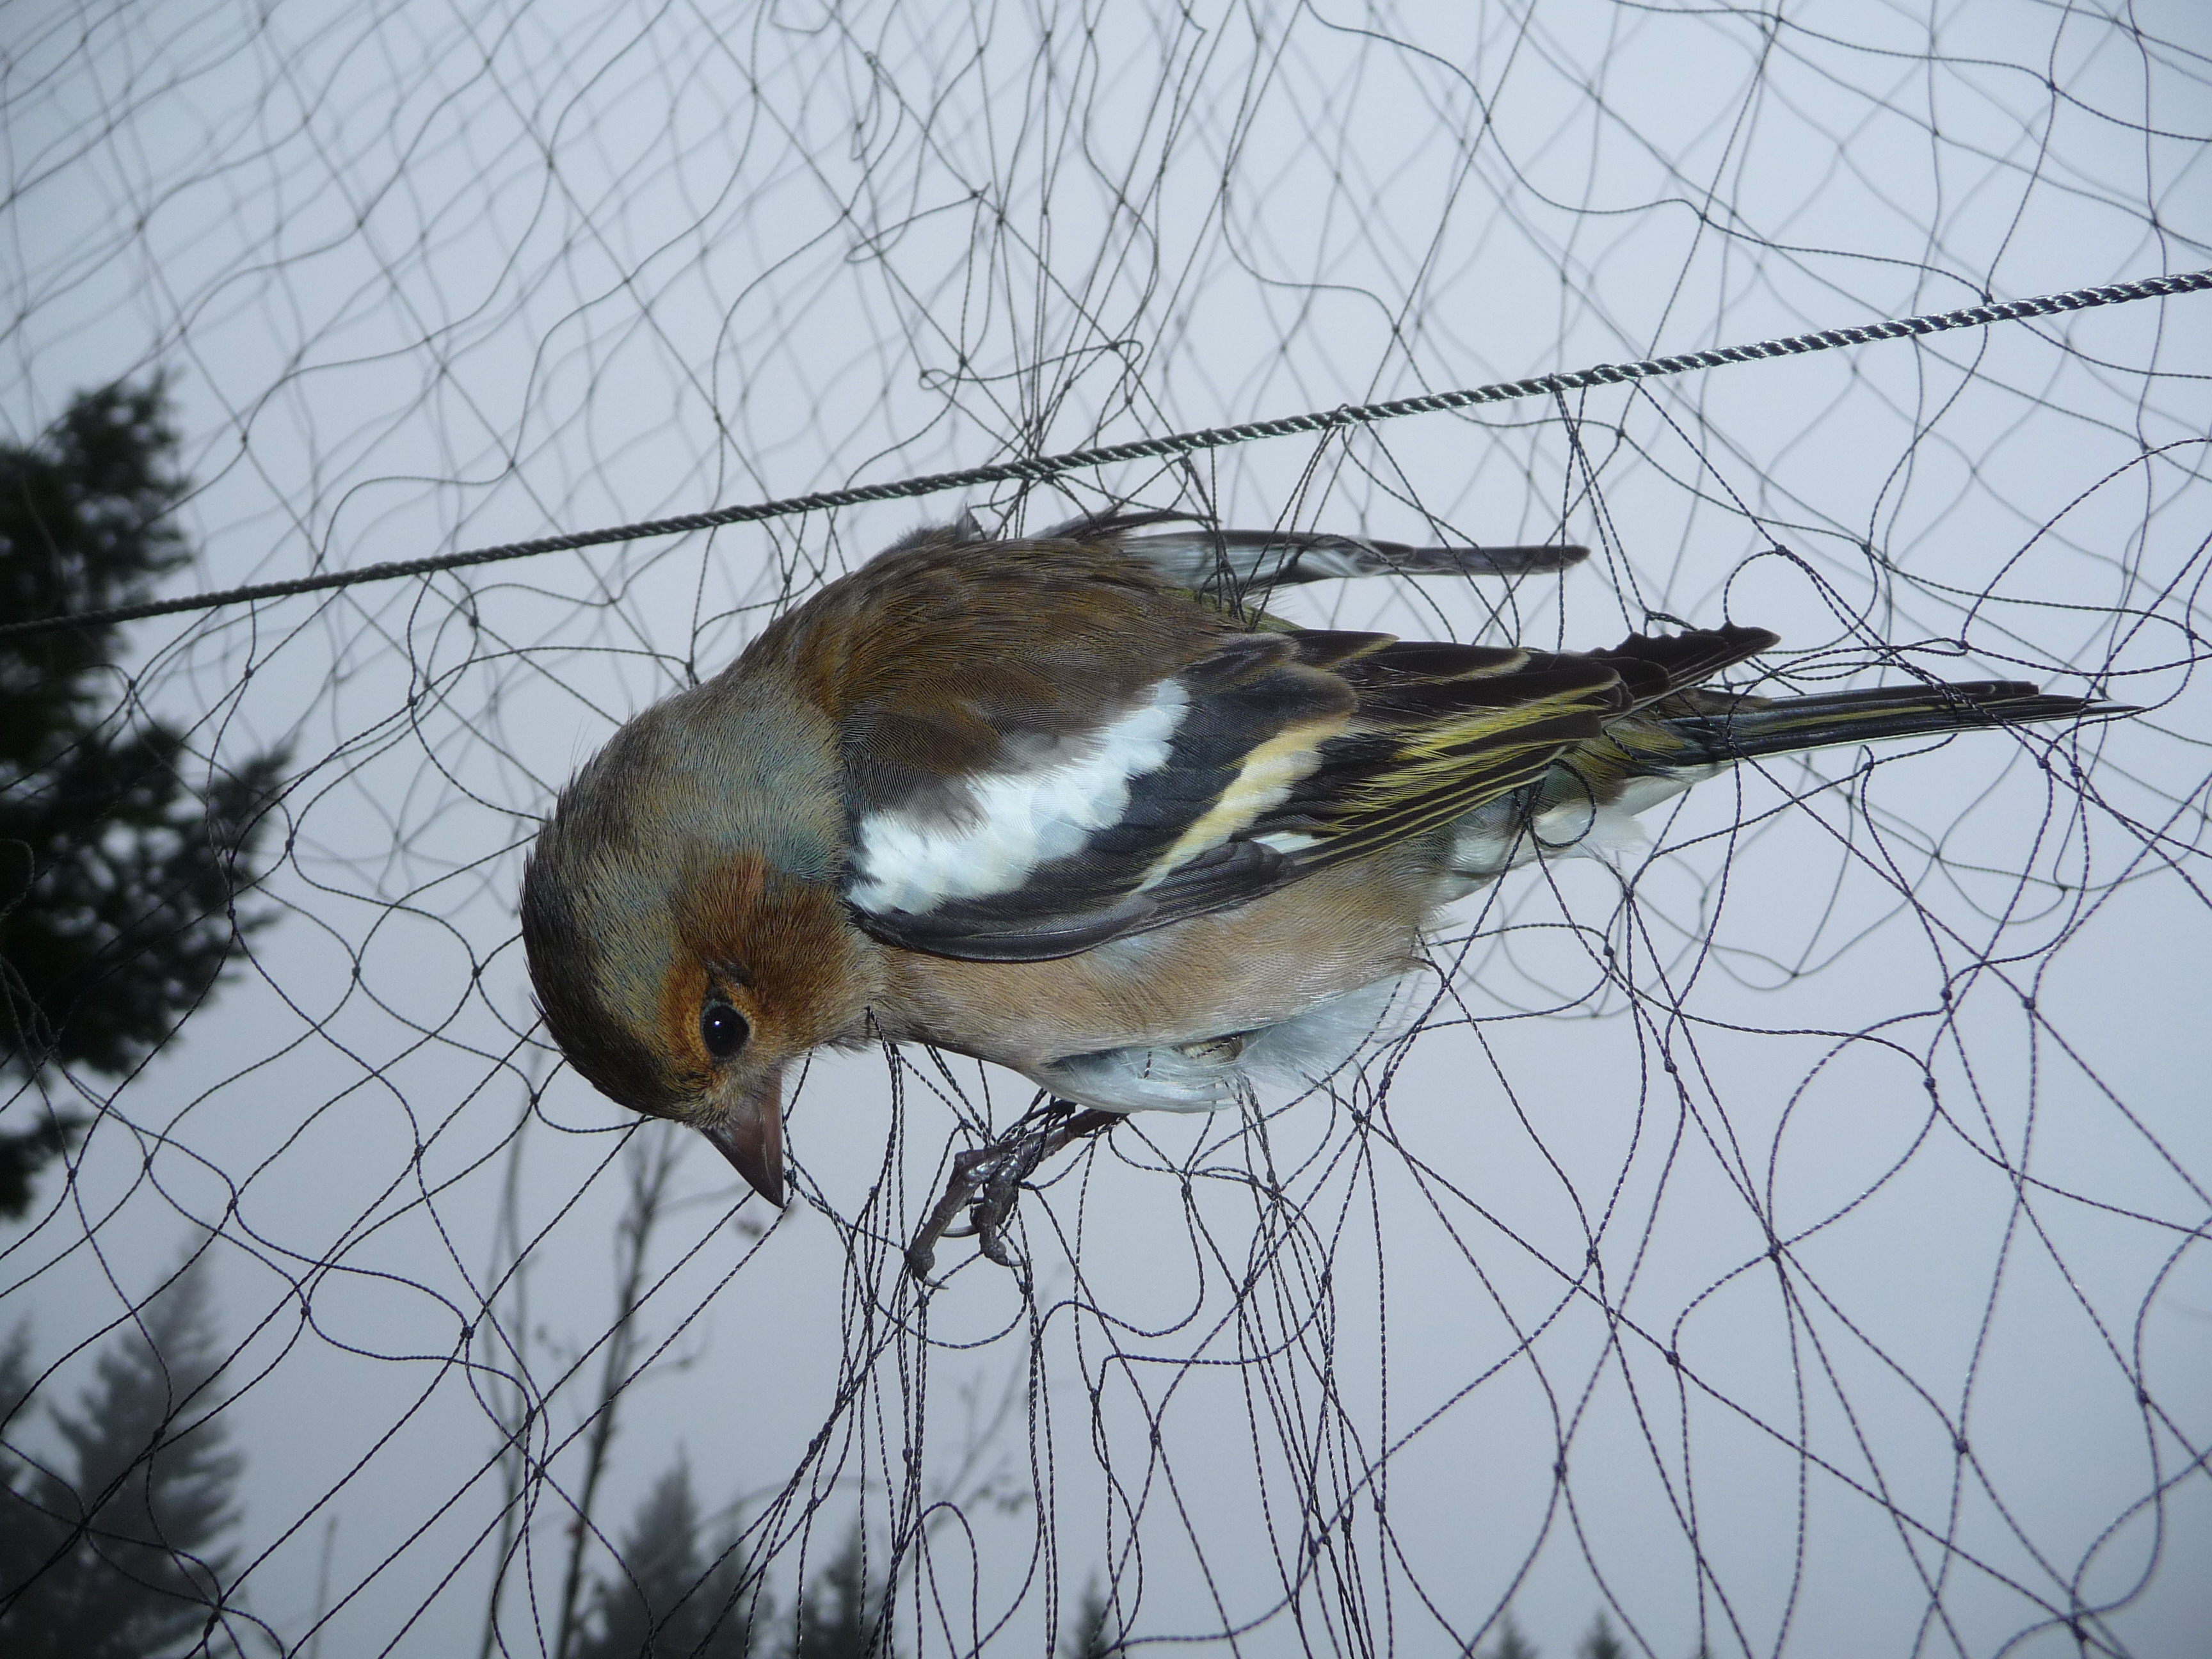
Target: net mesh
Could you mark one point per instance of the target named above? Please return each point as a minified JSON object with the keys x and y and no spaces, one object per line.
{"x":1785,"y":1236}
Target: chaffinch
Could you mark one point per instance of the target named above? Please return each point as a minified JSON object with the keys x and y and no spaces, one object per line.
{"x":1074,"y":804}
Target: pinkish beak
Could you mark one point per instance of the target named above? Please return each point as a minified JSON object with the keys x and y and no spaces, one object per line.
{"x":751,"y":1137}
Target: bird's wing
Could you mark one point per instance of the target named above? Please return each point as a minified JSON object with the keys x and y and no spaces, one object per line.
{"x":1101,"y":756}
{"x":1439,"y":732}
{"x":1656,"y":666}
{"x":993,"y":818}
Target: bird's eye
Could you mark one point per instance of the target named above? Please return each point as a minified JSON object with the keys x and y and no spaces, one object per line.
{"x":723,"y":1029}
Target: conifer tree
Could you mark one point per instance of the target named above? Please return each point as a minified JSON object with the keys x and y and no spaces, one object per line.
{"x":25,"y":1540}
{"x":664,"y":1599}
{"x":119,"y":1557}
{"x":1601,"y":1643}
{"x":24,"y":1152}
{"x":844,"y":1612}
{"x":120,"y":858}
{"x":1510,"y":1644}
{"x":1094,"y":1635}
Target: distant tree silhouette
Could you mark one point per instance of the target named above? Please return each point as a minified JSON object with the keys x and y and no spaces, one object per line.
{"x":664,"y":1599}
{"x":1094,"y":1635}
{"x":844,"y":1612}
{"x":117,"y":1558}
{"x":117,"y":872}
{"x":24,"y":1152}
{"x":1510,"y":1644}
{"x":21,"y":1536}
{"x":1601,"y":1643}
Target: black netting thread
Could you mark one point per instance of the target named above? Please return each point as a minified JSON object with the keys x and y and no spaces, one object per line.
{"x":1036,"y":468}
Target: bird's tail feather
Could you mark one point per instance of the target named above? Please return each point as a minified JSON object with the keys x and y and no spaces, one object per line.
{"x":1204,"y":557}
{"x":1750,"y":727}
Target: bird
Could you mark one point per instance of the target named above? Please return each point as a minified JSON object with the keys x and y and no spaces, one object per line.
{"x":1077,"y":805}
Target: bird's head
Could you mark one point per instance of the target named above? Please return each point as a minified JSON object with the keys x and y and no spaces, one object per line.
{"x":682,"y":919}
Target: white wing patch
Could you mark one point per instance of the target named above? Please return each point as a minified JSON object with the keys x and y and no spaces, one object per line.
{"x":1014,"y":821}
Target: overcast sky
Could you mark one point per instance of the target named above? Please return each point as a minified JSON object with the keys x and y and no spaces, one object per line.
{"x":1358,"y":1373}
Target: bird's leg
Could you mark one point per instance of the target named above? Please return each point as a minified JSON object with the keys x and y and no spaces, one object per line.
{"x":988,"y":1182}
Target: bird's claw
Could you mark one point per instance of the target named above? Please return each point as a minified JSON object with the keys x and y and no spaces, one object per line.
{"x":987,"y":1181}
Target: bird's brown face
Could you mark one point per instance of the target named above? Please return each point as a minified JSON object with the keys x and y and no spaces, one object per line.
{"x":687,"y":990}
{"x":766,"y":968}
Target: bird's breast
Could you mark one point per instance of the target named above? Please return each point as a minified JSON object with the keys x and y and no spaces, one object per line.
{"x":1235,"y":970}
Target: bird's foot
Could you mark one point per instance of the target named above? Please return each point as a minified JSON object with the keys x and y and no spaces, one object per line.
{"x":986,"y":1183}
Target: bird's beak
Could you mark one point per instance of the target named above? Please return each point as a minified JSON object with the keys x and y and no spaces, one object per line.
{"x":751,"y":1136}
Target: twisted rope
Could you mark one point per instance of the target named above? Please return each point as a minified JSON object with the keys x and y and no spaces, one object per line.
{"x":1039,"y":468}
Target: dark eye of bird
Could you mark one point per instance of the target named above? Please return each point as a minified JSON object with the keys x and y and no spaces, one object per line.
{"x":723,"y":1029}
